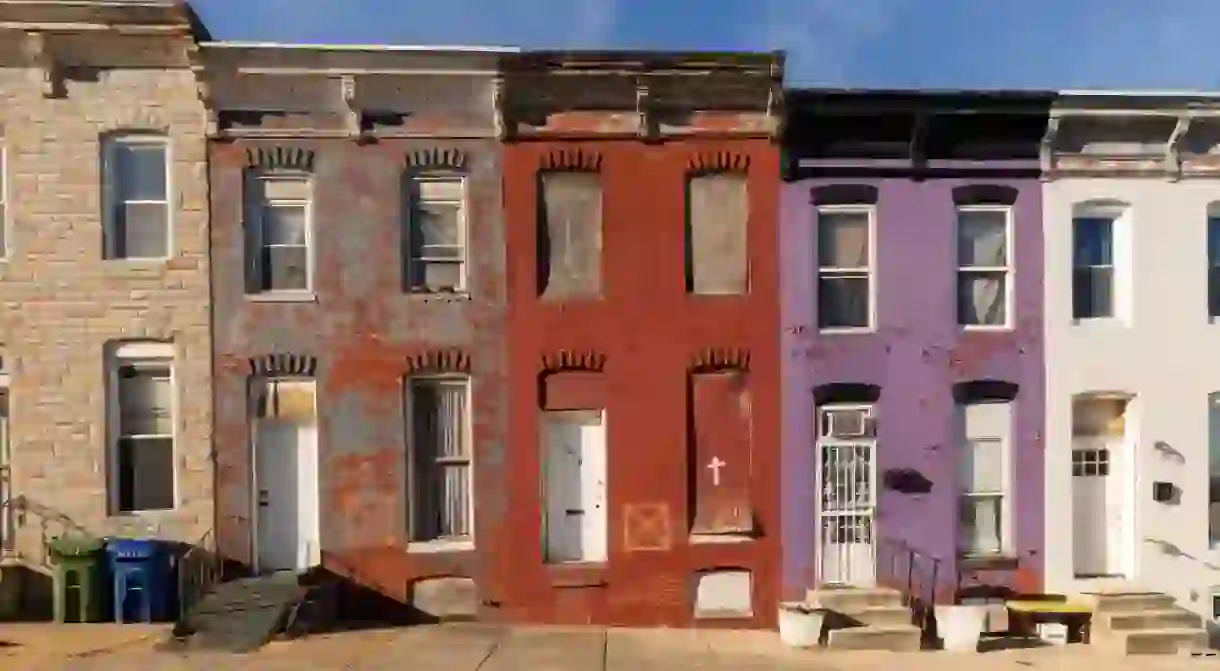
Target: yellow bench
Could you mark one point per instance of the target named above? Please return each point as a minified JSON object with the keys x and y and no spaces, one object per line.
{"x":1025,"y":615}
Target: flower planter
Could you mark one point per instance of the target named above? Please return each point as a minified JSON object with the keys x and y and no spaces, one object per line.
{"x":800,"y":626}
{"x":960,"y":626}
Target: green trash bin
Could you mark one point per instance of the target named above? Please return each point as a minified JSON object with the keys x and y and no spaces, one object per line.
{"x":79,"y":564}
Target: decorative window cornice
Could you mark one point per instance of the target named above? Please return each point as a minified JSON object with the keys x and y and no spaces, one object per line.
{"x":437,"y":158}
{"x":280,"y":158}
{"x":710,"y":359}
{"x":573,"y":360}
{"x":284,"y":365}
{"x":844,"y":194}
{"x":985,"y":194}
{"x":572,"y":159}
{"x":721,"y":161}
{"x":441,"y":360}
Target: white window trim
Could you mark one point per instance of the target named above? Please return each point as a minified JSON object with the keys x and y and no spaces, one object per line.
{"x":1118,"y":213}
{"x":1007,"y":494}
{"x":438,"y":544}
{"x":254,"y":257}
{"x":1213,"y":214}
{"x":8,"y":526}
{"x":6,"y":207}
{"x":461,"y":185}
{"x":1009,"y":267}
{"x":110,"y":197}
{"x":870,"y":272}
{"x":120,"y":355}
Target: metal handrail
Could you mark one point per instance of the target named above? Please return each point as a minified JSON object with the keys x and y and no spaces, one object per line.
{"x":199,"y":569}
{"x":917,"y":573}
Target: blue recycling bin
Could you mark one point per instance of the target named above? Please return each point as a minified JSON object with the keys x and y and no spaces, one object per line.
{"x":143,"y":580}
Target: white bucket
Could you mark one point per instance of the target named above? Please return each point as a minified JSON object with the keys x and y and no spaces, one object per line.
{"x":960,"y":626}
{"x":799,"y":625}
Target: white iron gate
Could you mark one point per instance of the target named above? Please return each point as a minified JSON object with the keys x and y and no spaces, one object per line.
{"x":846,"y":507}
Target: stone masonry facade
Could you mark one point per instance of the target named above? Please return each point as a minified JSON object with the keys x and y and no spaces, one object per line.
{"x":62,"y":307}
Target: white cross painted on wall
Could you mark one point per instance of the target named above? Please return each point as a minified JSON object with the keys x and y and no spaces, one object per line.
{"x":715,"y":465}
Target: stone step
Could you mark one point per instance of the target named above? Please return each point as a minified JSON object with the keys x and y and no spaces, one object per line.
{"x":883,"y":616}
{"x":1170,"y":618}
{"x":852,"y":600}
{"x":894,"y":638}
{"x":1130,"y":602}
{"x":1163,"y":641}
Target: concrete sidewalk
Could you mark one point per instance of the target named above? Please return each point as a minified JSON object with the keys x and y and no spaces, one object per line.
{"x":489,"y":648}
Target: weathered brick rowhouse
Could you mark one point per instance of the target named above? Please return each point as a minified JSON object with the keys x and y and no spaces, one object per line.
{"x":104,"y":329}
{"x":358,"y":299}
{"x":640,"y":198}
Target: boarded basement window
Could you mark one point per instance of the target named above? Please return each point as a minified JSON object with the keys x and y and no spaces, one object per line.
{"x":570,"y":236}
{"x":717,"y":211}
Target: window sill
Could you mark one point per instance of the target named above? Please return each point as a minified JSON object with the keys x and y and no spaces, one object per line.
{"x":987,"y":328}
{"x":427,"y":295}
{"x":1100,"y":322}
{"x":986,"y":561}
{"x":431,"y":547}
{"x":283,"y":297}
{"x":847,"y":330}
{"x":719,"y":538}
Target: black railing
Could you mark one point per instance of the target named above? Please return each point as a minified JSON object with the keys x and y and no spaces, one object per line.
{"x":914,"y":572}
{"x":199,"y":569}
{"x":52,"y":524}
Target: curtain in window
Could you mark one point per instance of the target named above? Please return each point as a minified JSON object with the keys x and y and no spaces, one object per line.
{"x":980,"y":522}
{"x":843,"y":240}
{"x":442,"y":500}
{"x":982,"y":483}
{"x":982,"y":239}
{"x":981,"y":298}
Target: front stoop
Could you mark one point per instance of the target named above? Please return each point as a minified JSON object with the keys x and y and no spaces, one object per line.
{"x":1144,"y":623}
{"x":866,"y":619}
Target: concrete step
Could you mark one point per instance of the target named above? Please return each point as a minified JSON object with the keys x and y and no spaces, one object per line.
{"x":883,"y":616}
{"x":1169,"y":618}
{"x":894,"y":638}
{"x":852,"y":600}
{"x":1129,"y":602}
{"x":1162,"y":641}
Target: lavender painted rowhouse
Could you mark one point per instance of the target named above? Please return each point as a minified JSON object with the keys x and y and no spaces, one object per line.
{"x":916,"y":413}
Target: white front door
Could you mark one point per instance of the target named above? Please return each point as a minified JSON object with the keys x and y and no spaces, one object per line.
{"x":575,"y":478}
{"x":846,"y":513}
{"x":286,"y":487}
{"x":1097,"y":509}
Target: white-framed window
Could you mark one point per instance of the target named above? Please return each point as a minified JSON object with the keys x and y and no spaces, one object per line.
{"x":5,"y":208}
{"x":1215,"y":604}
{"x":1213,"y":262}
{"x":984,"y":479}
{"x":141,"y":409}
{"x":434,"y":253}
{"x":984,"y":266}
{"x":7,"y":514}
{"x":1093,"y":289}
{"x":138,"y":218}
{"x":279,"y":225}
{"x":441,"y":494}
{"x":845,"y":267}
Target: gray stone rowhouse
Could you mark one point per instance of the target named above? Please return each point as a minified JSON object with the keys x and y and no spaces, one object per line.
{"x":104,"y":281}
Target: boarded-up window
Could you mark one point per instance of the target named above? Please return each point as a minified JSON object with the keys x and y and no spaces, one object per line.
{"x":720,"y":454}
{"x":570,"y":235}
{"x":716,"y":255}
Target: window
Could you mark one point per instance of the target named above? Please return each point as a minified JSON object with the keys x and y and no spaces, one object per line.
{"x":1092,"y":267}
{"x":984,"y":518}
{"x":844,"y":268}
{"x":1213,"y":266}
{"x":4,"y":208}
{"x":142,"y":414}
{"x":716,"y":237}
{"x":436,"y":235}
{"x":1213,"y":470}
{"x":441,"y":496}
{"x":137,"y":179}
{"x":6,"y":483}
{"x":983,"y":283}
{"x":280,"y":233}
{"x":569,"y":253}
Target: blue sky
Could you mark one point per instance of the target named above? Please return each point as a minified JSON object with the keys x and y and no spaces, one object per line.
{"x":1059,"y":44}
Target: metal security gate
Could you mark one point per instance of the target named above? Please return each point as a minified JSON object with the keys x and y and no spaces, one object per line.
{"x":846,"y":501}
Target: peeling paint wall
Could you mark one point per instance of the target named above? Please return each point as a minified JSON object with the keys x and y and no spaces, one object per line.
{"x":365,"y":334}
{"x":632,"y":349}
{"x":916,"y":354}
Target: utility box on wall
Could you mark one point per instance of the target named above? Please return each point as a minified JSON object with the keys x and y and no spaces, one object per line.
{"x":1162,"y":492}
